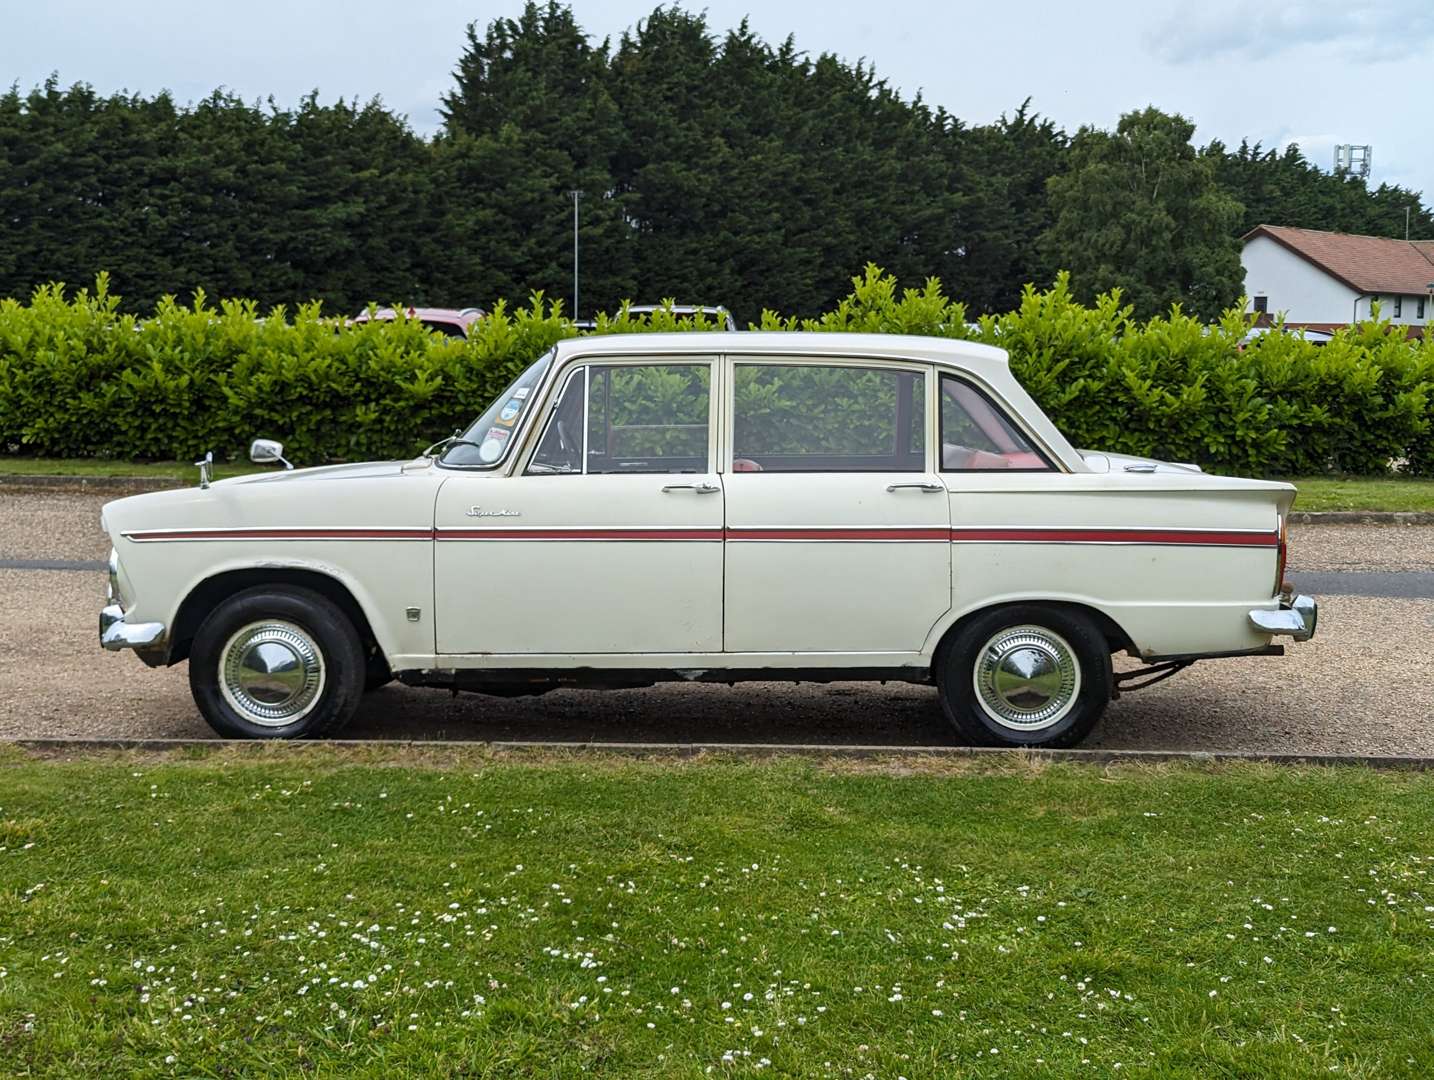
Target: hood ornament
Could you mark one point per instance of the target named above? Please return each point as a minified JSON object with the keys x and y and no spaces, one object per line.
{"x":205,"y":464}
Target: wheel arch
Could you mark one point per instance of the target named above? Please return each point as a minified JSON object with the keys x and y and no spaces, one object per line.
{"x":214,"y":590}
{"x":1116,"y":638}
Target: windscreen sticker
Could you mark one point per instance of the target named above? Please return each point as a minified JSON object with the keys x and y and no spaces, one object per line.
{"x":510,"y":412}
{"x":521,"y":393}
{"x":492,"y":448}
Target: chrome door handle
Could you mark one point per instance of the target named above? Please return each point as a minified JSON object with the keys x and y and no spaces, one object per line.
{"x":703,"y":488}
{"x":924,"y":485}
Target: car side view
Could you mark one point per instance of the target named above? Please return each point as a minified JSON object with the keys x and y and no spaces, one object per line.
{"x":713,"y":507}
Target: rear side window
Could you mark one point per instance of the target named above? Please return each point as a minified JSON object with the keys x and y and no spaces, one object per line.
{"x":976,"y":436}
{"x":828,"y":418}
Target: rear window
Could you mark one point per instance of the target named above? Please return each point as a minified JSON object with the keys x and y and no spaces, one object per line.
{"x":976,"y":436}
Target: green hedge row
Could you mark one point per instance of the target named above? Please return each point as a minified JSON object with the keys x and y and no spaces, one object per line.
{"x":79,"y":380}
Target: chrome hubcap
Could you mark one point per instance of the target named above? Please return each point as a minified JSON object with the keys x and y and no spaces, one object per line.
{"x":271,"y":673}
{"x":1027,"y":678}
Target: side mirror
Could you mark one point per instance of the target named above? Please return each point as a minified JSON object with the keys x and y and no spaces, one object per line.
{"x":266,"y":452}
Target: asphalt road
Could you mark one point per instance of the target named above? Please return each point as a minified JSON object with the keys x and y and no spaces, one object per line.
{"x":1361,"y":686}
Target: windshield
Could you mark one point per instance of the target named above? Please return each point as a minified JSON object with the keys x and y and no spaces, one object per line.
{"x":486,"y":441}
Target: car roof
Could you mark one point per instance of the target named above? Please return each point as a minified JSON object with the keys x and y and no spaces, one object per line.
{"x":982,"y":360}
{"x":985,"y":363}
{"x":710,"y":309}
{"x":433,"y":314}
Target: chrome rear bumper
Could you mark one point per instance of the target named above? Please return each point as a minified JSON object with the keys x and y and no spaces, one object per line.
{"x":116,"y":634}
{"x":1295,"y":618}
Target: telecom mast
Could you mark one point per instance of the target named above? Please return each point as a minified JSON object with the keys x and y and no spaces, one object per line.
{"x":1353,"y":158}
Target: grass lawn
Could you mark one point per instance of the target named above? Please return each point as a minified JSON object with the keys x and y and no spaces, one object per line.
{"x":1364,"y":493}
{"x":180,"y":471}
{"x":346,"y":913}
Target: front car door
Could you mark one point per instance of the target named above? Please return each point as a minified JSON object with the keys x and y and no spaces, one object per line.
{"x":838,"y":526}
{"x":607,"y":538}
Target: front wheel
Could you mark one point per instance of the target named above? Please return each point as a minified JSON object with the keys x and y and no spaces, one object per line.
{"x":1025,"y":675}
{"x":276,"y":663}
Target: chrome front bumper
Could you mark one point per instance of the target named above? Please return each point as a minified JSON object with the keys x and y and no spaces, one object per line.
{"x":1295,"y":618}
{"x":116,"y":634}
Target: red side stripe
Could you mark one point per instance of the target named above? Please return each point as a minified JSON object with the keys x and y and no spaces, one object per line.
{"x":941,"y":534}
{"x":580,"y":534}
{"x":1191,"y":537}
{"x":1183,"y":537}
{"x":285,"y":534}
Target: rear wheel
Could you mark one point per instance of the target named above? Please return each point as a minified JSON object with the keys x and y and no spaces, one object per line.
{"x":1025,"y":675}
{"x":276,"y":663}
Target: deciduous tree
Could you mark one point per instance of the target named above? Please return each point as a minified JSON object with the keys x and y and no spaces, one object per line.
{"x":1140,"y":210}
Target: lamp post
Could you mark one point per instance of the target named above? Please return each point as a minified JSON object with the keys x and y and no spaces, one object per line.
{"x":576,"y":195}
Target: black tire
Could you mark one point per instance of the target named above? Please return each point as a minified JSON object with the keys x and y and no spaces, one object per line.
{"x":1063,"y":639}
{"x":307,"y":625}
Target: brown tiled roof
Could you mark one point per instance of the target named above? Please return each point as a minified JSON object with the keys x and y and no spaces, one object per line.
{"x":1367,"y":264}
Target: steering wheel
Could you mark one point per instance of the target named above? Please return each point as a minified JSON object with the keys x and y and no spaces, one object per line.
{"x":563,"y":443}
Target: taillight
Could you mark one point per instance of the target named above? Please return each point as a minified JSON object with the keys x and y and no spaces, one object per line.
{"x":1282,"y":556}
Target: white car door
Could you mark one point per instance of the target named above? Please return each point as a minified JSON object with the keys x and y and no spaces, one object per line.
{"x":608,"y":539}
{"x":838,"y":527}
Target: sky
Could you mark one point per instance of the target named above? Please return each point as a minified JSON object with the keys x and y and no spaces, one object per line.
{"x":1313,"y":72}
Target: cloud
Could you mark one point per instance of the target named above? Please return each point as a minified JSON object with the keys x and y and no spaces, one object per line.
{"x":1318,"y":149}
{"x":1367,"y":31}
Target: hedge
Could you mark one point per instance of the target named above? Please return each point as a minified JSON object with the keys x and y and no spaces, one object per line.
{"x":77,"y":379}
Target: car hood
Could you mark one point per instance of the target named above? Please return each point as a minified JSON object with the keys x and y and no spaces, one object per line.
{"x":297,"y":497}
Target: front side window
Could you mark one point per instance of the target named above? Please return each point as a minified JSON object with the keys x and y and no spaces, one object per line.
{"x":828,"y":418}
{"x":488,"y":439}
{"x":976,"y":436}
{"x":561,"y":448}
{"x":626,"y":418}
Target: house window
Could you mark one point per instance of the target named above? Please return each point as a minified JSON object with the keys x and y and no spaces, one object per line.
{"x":1262,"y":304}
{"x":1398,"y":306}
{"x":1419,"y":309}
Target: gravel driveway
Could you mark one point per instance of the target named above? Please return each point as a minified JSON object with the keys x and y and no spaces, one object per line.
{"x":1361,"y":686}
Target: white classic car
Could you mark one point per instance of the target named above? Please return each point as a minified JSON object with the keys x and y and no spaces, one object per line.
{"x":712,"y":507}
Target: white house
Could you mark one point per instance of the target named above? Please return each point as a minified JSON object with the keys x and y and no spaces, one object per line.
{"x":1324,"y":280}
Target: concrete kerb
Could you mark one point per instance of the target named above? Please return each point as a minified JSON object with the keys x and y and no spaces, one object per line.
{"x":753,"y":751}
{"x":119,"y":485}
{"x":1361,"y":517}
